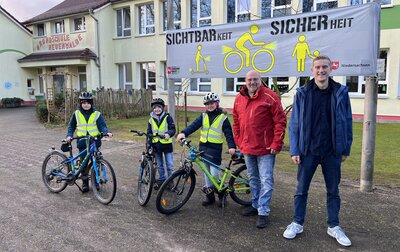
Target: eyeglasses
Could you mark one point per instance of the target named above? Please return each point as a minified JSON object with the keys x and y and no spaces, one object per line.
{"x":252,"y":79}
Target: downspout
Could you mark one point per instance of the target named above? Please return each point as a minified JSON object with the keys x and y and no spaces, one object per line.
{"x":91,"y":12}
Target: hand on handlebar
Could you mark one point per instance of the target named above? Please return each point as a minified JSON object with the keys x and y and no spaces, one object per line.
{"x":166,"y":136}
{"x":232,"y":151}
{"x":68,"y":139}
{"x":109,"y":134}
{"x":180,"y":137}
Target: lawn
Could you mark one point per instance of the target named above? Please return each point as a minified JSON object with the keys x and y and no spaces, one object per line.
{"x":387,"y":158}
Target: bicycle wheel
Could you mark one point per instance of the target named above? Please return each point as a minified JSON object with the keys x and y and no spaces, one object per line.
{"x":53,"y":163}
{"x":269,"y":55}
{"x":106,"y":189}
{"x":145,"y":182}
{"x":175,"y":191}
{"x":234,"y":63}
{"x":239,"y":181}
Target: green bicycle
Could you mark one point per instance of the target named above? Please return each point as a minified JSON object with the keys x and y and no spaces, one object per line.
{"x":178,"y":188}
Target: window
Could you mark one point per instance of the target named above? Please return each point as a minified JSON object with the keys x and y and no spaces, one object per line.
{"x":238,"y":10}
{"x":200,"y":84}
{"x":177,"y":14}
{"x":146,"y":19}
{"x":82,"y":78}
{"x":177,"y":82}
{"x":276,"y":8}
{"x":384,"y":3}
{"x":125,"y":76}
{"x":282,"y":82}
{"x":356,"y":84}
{"x":233,"y":85}
{"x":148,"y":75}
{"x":124,"y":22}
{"x":200,"y":11}
{"x":59,"y":27}
{"x":79,"y":24}
{"x":325,"y":4}
{"x":41,"y":85}
{"x":40,"y":30}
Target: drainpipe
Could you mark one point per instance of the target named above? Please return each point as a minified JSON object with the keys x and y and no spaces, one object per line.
{"x":91,"y":12}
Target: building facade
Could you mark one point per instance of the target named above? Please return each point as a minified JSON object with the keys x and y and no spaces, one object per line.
{"x":90,"y":44}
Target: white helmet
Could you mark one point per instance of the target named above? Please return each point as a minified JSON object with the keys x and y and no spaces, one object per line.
{"x":209,"y":97}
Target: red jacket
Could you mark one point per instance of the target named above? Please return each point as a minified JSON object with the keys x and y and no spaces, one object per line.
{"x":259,"y":122}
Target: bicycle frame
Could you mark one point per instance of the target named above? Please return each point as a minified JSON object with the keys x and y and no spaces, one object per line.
{"x":219,"y":184}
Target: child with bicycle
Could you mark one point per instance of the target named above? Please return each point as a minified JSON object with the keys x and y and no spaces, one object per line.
{"x":162,"y":123}
{"x":214,"y":124}
{"x":86,"y":121}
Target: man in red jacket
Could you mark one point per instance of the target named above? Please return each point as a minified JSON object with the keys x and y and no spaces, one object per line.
{"x":259,"y":129}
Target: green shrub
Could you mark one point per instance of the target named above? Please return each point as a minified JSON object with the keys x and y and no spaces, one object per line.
{"x":12,"y":102}
{"x":41,"y":111}
{"x":59,"y":100}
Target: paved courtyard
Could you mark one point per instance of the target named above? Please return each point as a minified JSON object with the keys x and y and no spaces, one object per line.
{"x":33,"y":219}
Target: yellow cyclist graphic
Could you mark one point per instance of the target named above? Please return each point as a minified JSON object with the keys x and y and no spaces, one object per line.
{"x":301,"y":50}
{"x":262,"y":60}
{"x":199,"y":57}
{"x":240,"y":43}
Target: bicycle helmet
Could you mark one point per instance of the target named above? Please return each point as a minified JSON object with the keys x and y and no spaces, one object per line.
{"x":158,"y":101}
{"x":85,"y":96}
{"x":210,"y":97}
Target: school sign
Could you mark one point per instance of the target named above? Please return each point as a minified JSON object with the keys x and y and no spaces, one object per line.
{"x":279,"y":47}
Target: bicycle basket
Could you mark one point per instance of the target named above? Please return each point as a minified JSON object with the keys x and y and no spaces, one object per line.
{"x":65,"y":147}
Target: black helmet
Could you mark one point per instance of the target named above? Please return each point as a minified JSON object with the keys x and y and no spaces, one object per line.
{"x":158,"y":101}
{"x":210,"y":97}
{"x":85,"y":96}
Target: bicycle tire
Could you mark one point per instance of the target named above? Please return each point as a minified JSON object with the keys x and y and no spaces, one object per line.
{"x":52,"y":161}
{"x":106,"y":190}
{"x":145,"y":182}
{"x":171,"y":196}
{"x":269,"y":67}
{"x":241,"y":193}
{"x":241,"y":64}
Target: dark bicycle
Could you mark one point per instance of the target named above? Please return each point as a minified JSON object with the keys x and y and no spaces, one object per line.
{"x":148,"y":168}
{"x":59,"y":171}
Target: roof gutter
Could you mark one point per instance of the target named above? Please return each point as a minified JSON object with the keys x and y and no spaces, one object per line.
{"x":91,"y":12}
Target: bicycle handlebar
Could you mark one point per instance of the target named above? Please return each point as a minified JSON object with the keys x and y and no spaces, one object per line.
{"x":141,"y":133}
{"x":100,"y":136}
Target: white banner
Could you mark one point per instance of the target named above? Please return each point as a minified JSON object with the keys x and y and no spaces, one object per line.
{"x":279,"y":47}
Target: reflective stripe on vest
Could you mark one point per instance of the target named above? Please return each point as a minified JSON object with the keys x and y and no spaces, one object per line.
{"x":213,"y":133}
{"x":160,"y":130}
{"x":84,"y":127}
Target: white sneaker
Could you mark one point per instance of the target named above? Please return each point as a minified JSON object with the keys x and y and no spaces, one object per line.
{"x":338,"y":233}
{"x":292,"y":230}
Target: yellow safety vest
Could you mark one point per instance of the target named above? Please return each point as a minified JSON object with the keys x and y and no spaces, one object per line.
{"x":161,"y":130}
{"x":84,"y":127}
{"x":213,"y":133}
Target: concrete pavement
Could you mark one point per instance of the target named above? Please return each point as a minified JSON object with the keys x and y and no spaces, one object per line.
{"x":33,"y":219}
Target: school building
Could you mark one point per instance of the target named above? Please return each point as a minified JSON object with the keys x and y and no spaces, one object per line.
{"x":89,"y":44}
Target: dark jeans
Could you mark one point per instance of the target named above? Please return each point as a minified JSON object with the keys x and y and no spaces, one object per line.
{"x":331,"y":171}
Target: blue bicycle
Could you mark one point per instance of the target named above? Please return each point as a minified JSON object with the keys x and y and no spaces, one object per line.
{"x":59,"y":171}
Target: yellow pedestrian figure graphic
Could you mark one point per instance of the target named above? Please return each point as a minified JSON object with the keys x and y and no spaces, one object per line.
{"x":301,"y":50}
{"x":199,"y":58}
{"x":240,"y":43}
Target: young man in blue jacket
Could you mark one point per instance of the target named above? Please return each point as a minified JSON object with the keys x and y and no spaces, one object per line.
{"x":320,"y":132}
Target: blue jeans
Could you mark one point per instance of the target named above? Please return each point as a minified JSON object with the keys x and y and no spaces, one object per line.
{"x":261,"y":174}
{"x":331,"y":171}
{"x":214,"y":172}
{"x":169,"y":161}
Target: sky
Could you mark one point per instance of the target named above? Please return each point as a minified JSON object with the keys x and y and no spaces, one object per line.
{"x":26,"y":9}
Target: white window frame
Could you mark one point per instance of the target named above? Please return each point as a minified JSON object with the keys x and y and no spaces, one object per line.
{"x":44,"y":30}
{"x":200,"y":82}
{"x":121,"y":16}
{"x":274,"y":8}
{"x":80,"y":73}
{"x":270,"y":82}
{"x":199,"y":19}
{"x":177,"y":82}
{"x":236,"y":82}
{"x":384,"y":82}
{"x":143,"y":19}
{"x":177,"y":13}
{"x":83,"y":24}
{"x":245,"y":11}
{"x":123,"y":75}
{"x":147,"y":67}
{"x":390,"y":4}
{"x":316,"y":2}
{"x":59,"y":27}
